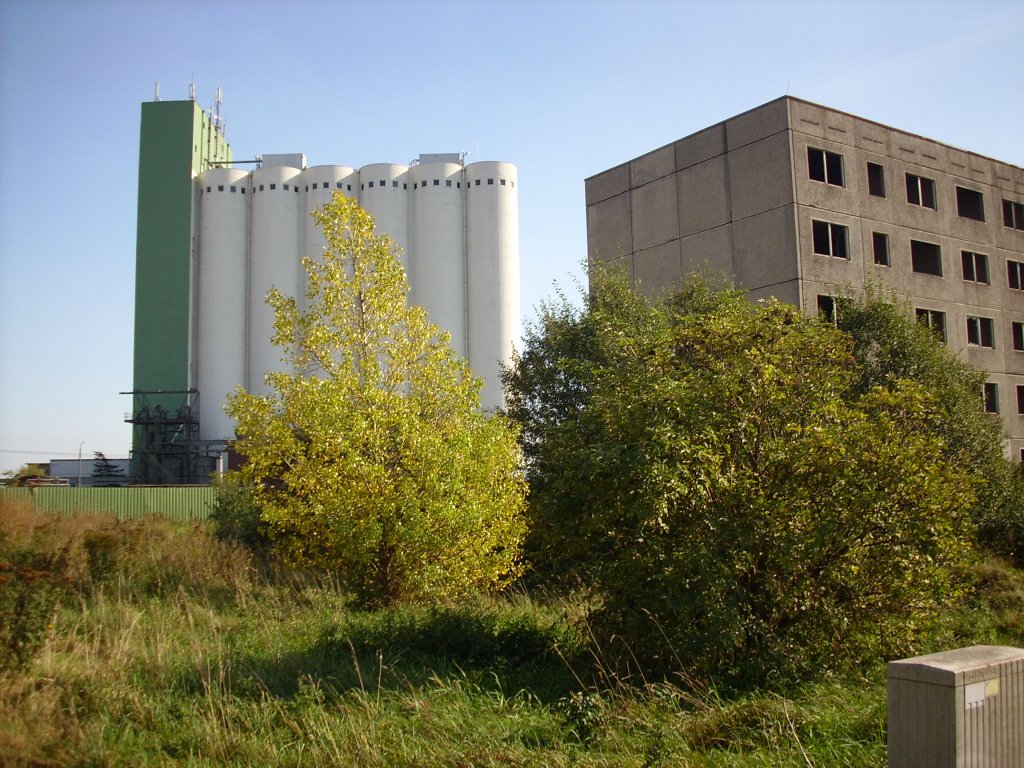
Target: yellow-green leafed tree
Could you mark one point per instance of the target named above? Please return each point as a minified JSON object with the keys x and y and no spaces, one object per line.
{"x":371,"y":456}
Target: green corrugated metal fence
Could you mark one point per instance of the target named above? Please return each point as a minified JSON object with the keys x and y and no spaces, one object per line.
{"x":190,"y":502}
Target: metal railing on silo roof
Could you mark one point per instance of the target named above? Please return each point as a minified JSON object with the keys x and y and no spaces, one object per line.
{"x":189,"y":502}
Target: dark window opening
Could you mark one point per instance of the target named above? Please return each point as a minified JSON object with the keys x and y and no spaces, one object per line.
{"x":980,"y":332}
{"x":220,"y":187}
{"x":490,"y":181}
{"x":970,"y":204}
{"x":991,"y":398}
{"x":827,"y":308}
{"x":383,"y":183}
{"x":880,"y":248}
{"x":286,"y":188}
{"x":933,"y":319}
{"x":502,"y":182}
{"x":447,"y":182}
{"x":1015,"y":274}
{"x":234,"y":189}
{"x":975,"y":267}
{"x":477,"y":183}
{"x":1017,"y":331}
{"x":825,"y":166}
{"x":926,"y":258}
{"x":1013,"y":214}
{"x":876,"y":180}
{"x":1020,"y":399}
{"x":920,"y":191}
{"x":830,"y":239}
{"x":371,"y":185}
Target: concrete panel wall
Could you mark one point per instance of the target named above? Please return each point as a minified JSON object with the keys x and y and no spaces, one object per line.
{"x":756,"y":124}
{"x":655,"y":213}
{"x":710,"y":252}
{"x":612,"y":182}
{"x":653,"y":165}
{"x":656,"y":269}
{"x":609,"y":229}
{"x":765,"y":249}
{"x":703,"y":194}
{"x":760,"y":176}
{"x":700,"y":146}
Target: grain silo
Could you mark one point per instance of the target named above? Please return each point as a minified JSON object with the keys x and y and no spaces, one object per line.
{"x":246,"y":230}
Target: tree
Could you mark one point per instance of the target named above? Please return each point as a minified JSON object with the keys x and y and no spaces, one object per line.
{"x":735,"y":504}
{"x":24,"y":474}
{"x":105,"y":472}
{"x":370,"y":455}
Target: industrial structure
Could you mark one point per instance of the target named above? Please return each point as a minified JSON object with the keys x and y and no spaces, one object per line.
{"x":805,"y":203}
{"x":214,"y":235}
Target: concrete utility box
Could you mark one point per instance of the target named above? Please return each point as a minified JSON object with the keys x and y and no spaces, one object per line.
{"x":958,"y":709}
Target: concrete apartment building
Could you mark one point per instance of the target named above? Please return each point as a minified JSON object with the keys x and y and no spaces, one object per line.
{"x":804,"y":203}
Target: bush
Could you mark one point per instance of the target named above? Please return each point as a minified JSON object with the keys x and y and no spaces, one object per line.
{"x":890,"y":348}
{"x":738,"y":506}
{"x":30,"y":590}
{"x":236,"y":517}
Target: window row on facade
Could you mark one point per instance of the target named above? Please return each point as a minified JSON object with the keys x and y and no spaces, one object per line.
{"x":828,"y":168}
{"x":831,"y":239}
{"x":979,"y":331}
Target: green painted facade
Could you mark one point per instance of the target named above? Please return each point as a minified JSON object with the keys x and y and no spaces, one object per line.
{"x":177,"y":142}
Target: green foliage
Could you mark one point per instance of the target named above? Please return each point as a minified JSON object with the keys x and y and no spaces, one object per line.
{"x":106,"y":472}
{"x":891,"y":348}
{"x":236,"y":517}
{"x":25,"y":473}
{"x":30,"y":588}
{"x":370,"y":457}
{"x":739,"y":506}
{"x":282,"y":673}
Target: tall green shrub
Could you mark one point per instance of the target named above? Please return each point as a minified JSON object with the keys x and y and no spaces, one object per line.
{"x":739,"y":507}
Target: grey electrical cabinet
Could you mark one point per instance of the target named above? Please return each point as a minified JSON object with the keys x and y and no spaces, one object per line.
{"x":958,"y":709}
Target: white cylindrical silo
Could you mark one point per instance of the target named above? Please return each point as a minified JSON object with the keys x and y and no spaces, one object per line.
{"x":221,"y":296}
{"x":318,"y":185}
{"x":383,"y":193}
{"x":275,"y":239}
{"x":437,"y":247}
{"x":492,"y":264}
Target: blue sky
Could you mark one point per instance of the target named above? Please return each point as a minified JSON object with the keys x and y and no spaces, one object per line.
{"x":562,"y":89}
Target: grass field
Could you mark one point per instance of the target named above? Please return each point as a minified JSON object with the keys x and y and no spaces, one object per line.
{"x":151,"y":643}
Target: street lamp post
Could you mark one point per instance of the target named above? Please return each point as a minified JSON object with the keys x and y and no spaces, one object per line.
{"x":80,"y":463}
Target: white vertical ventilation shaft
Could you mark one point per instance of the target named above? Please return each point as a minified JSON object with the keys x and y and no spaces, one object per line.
{"x":384,"y":194}
{"x":318,"y":185}
{"x":273,"y":262}
{"x":437,"y":247}
{"x":492,"y":233}
{"x":221,"y":295}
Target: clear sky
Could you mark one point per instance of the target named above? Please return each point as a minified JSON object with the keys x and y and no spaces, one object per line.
{"x":562,"y":89}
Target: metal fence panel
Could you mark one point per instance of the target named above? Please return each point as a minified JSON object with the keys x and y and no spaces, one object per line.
{"x":189,"y":502}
